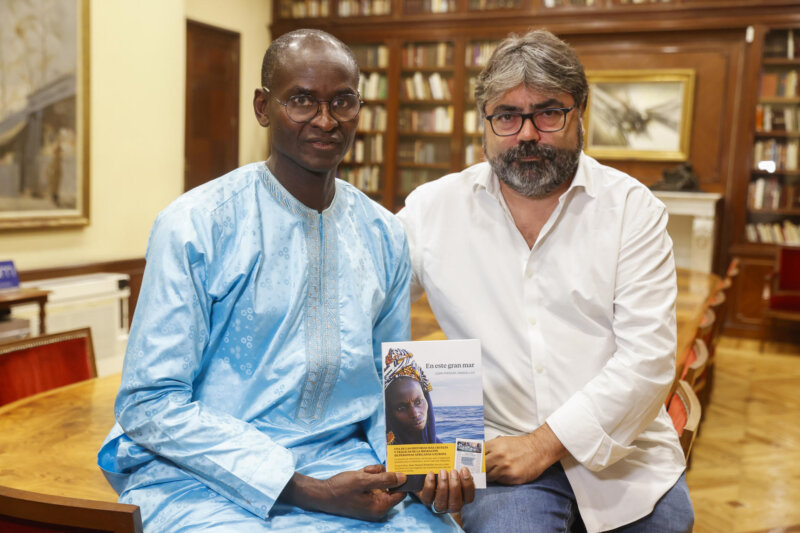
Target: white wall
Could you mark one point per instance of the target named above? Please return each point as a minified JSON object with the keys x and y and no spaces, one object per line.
{"x":138,"y":55}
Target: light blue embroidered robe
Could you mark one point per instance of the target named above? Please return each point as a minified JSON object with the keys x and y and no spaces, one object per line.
{"x":255,"y":353}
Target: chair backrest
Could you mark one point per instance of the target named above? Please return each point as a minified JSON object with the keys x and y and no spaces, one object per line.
{"x":684,"y":409}
{"x":730,"y":274}
{"x":37,"y":364}
{"x":706,"y":327}
{"x":696,"y":361}
{"x":22,"y":511}
{"x":789,"y":268}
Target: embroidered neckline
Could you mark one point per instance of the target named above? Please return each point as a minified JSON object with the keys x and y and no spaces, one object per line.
{"x":291,"y":203}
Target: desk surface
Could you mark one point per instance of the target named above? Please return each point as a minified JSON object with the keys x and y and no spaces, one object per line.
{"x":49,"y":442}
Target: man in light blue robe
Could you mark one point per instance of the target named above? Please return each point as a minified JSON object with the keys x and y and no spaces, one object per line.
{"x":250,"y":396}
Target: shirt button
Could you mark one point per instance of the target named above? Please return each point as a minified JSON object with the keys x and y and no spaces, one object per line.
{"x":532,"y":321}
{"x":539,"y":369}
{"x":529,"y":274}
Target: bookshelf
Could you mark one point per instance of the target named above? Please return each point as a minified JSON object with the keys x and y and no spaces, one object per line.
{"x":425,"y":114}
{"x":477,"y":54}
{"x":303,"y":9}
{"x":364,"y":165}
{"x":773,"y":192}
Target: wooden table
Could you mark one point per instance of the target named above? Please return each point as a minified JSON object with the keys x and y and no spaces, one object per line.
{"x":49,"y":442}
{"x":14,"y":297}
{"x":694,"y":291}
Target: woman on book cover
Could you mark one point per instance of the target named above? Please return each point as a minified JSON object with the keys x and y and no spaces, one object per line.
{"x":409,"y":410}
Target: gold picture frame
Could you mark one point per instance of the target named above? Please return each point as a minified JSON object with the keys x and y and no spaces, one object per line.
{"x":639,"y":114}
{"x":44,"y":114}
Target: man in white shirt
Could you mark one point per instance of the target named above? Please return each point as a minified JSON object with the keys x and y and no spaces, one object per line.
{"x":563,"y":268}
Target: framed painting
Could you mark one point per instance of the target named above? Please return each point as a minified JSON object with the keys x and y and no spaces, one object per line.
{"x":640,"y":114}
{"x":44,"y":113}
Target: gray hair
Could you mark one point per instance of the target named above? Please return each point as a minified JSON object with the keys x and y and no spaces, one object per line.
{"x":277,"y":48}
{"x":538,"y":60}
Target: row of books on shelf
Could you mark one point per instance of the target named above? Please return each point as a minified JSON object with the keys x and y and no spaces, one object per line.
{"x":776,"y":154}
{"x":771,"y":193}
{"x":431,"y":87}
{"x":367,"y":179}
{"x":483,"y":5}
{"x":410,"y":179}
{"x":777,"y":118}
{"x":780,"y":44}
{"x":774,"y":233}
{"x":354,"y":8}
{"x":427,"y":55}
{"x":478,"y":54}
{"x":373,"y":118}
{"x":473,"y":123}
{"x":575,"y":3}
{"x":423,"y":152}
{"x":436,"y":120}
{"x":473,"y":153}
{"x":305,"y":8}
{"x":779,"y":84}
{"x":367,"y":149}
{"x":372,"y":86}
{"x":429,"y":6}
{"x":371,"y":56}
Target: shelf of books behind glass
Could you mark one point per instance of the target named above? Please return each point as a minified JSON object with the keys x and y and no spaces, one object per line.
{"x":477,"y":55}
{"x":425,"y":115}
{"x":363,"y":164}
{"x":773,"y":195}
{"x":299,"y":9}
{"x":364,"y":8}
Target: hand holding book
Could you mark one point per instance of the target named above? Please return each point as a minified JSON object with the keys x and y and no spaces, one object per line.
{"x":449,"y":491}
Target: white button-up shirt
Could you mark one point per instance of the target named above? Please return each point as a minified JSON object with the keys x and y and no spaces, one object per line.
{"x":578,"y":331}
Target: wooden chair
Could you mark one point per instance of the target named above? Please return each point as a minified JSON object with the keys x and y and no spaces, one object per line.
{"x":703,"y":382}
{"x":782,"y":289}
{"x":684,"y":409}
{"x":730,"y":274}
{"x":37,"y":364}
{"x":695,"y":363}
{"x":22,"y":511}
{"x":706,"y":326}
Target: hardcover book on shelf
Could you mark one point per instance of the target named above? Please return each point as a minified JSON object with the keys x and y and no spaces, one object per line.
{"x":433,"y":400}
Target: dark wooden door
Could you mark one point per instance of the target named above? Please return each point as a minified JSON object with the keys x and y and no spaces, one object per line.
{"x":212,"y":103}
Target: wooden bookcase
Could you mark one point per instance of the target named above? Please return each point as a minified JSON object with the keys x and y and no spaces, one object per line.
{"x":419,"y":60}
{"x":769,"y":201}
{"x":773,"y":199}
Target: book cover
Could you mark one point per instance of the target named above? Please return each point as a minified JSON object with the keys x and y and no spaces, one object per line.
{"x":433,"y":400}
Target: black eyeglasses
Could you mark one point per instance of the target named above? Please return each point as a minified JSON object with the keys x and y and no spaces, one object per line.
{"x":549,"y":120}
{"x":304,"y":107}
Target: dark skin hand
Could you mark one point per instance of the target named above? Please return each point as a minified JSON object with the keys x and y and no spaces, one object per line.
{"x":450,"y":492}
{"x":359,"y":494}
{"x":518,"y":460}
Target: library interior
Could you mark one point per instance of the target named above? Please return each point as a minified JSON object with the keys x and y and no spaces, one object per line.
{"x":111,"y":110}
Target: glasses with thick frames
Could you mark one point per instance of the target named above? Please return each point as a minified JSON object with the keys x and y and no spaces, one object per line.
{"x":304,"y":107}
{"x":549,"y":120}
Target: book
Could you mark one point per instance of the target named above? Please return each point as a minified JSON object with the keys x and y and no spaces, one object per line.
{"x":9,"y":279}
{"x":433,"y":402}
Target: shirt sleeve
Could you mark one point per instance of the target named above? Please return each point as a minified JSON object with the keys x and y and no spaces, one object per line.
{"x":155,"y":406}
{"x":599,"y":422}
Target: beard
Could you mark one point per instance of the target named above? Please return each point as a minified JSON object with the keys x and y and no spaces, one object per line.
{"x":536,"y":179}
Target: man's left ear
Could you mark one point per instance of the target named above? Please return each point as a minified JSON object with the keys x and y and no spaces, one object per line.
{"x":260,"y":108}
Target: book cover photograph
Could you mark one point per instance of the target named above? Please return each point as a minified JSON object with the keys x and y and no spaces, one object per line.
{"x":433,"y":399}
